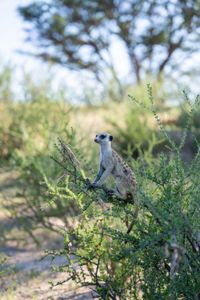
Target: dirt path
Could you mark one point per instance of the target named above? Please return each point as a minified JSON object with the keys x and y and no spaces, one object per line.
{"x":29,"y":276}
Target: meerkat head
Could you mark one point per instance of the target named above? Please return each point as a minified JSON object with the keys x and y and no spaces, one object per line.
{"x":103,"y":138}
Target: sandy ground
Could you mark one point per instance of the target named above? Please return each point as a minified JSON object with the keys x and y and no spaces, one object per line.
{"x":29,"y":276}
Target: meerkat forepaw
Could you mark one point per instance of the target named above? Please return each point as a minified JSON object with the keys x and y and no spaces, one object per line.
{"x":110,"y":193}
{"x":96,"y":185}
{"x":89,"y":185}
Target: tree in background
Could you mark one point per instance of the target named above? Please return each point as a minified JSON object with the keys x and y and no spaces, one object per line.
{"x":78,"y":34}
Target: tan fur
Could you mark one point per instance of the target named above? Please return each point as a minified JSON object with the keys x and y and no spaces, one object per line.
{"x":111,"y":164}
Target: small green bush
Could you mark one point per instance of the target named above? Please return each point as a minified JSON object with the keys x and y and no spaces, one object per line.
{"x":133,"y":134}
{"x":136,"y":136}
{"x":159,"y":257}
{"x":195,"y":119}
{"x":33,"y":127}
{"x":26,"y":142}
{"x":183,"y":118}
{"x":6,"y":80}
{"x":32,"y":210}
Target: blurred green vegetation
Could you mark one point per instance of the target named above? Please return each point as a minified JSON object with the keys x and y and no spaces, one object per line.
{"x":28,"y":132}
{"x":29,"y":127}
{"x":6,"y":77}
{"x":47,"y":155}
{"x":32,"y":127}
{"x":52,"y":194}
{"x":182,"y":119}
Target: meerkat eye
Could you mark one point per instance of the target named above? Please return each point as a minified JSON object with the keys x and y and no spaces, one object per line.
{"x":102,"y":136}
{"x":110,"y":138}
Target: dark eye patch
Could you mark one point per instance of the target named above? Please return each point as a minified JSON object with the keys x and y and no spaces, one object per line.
{"x":102,"y":136}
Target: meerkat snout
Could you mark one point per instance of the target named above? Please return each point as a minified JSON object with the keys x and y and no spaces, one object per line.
{"x":96,"y":140}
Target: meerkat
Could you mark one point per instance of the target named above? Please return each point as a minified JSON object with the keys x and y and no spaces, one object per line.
{"x":111,"y":164}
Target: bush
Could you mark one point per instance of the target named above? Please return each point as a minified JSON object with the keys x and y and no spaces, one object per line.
{"x":136,"y":136}
{"x":26,"y":141}
{"x":32,"y":127}
{"x":159,"y":257}
{"x":181,"y":122}
{"x":6,"y":78}
{"x":31,"y":211}
{"x":183,"y":118}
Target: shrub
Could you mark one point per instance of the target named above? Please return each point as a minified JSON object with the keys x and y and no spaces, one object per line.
{"x":33,"y":127}
{"x":159,"y":257}
{"x":27,"y":140}
{"x":195,"y":115}
{"x":6,"y":78}
{"x":31,"y":211}
{"x":30,"y":126}
{"x":135,"y":136}
{"x":195,"y":119}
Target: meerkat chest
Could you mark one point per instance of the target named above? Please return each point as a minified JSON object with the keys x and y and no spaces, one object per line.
{"x":106,"y":160}
{"x":118,"y":170}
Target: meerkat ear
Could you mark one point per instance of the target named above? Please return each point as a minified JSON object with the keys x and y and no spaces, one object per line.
{"x":110,"y":138}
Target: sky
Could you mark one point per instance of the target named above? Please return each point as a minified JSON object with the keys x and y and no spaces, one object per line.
{"x":11,"y":31}
{"x":13,"y":40}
